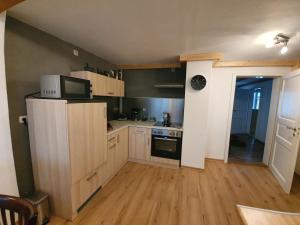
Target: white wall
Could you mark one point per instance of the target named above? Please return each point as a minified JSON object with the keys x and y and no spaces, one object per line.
{"x":196,"y":116}
{"x":221,"y":103}
{"x":8,"y":179}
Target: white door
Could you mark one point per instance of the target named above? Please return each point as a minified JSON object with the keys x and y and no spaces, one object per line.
{"x":286,"y":143}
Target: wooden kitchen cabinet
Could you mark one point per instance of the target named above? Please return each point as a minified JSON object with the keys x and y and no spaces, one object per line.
{"x":122,"y":148}
{"x":120,"y":88}
{"x":87,"y":139}
{"x":69,"y":150}
{"x":102,"y":85}
{"x":139,"y":143}
{"x":111,"y":86}
{"x":117,"y":147}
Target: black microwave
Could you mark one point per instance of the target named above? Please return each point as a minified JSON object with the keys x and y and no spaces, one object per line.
{"x":65,"y":87}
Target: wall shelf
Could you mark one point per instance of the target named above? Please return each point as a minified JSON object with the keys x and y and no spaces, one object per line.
{"x":169,"y":85}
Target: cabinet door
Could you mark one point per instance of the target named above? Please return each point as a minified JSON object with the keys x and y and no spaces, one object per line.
{"x":87,"y":125}
{"x":124,"y":145}
{"x":111,"y":151}
{"x":100,"y":89}
{"x":121,"y":154}
{"x":121,"y":88}
{"x":139,"y":143}
{"x":131,"y":143}
{"x":111,"y":86}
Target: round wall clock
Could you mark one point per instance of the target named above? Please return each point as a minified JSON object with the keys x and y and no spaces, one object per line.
{"x":198,"y":82}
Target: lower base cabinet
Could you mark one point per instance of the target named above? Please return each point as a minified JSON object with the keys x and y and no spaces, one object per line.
{"x":139,"y":143}
{"x":85,"y":188}
{"x":117,"y":152}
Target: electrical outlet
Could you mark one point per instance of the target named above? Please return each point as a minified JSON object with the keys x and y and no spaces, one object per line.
{"x":75,"y":52}
{"x":22,"y":118}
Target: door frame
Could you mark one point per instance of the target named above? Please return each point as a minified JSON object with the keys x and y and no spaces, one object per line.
{"x":271,"y":117}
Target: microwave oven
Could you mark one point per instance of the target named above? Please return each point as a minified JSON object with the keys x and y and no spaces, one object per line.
{"x":65,"y":87}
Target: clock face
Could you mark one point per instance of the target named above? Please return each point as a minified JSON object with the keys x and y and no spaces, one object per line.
{"x":198,"y":82}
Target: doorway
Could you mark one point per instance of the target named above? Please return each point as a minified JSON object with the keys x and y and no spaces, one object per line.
{"x":250,"y":119}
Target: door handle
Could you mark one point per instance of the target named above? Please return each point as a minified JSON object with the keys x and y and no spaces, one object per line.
{"x":294,"y":129}
{"x":291,"y":128}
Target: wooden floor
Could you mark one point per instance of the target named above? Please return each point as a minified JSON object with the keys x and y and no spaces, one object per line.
{"x":148,"y":195}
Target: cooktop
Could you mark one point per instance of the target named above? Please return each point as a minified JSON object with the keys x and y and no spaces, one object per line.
{"x":173,"y":125}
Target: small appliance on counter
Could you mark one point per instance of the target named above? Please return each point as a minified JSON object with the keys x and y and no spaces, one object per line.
{"x":166,"y":119}
{"x":65,"y":87}
{"x":122,"y":117}
{"x":135,"y":114}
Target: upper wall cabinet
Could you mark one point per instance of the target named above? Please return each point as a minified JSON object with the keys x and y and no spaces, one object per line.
{"x":102,"y":85}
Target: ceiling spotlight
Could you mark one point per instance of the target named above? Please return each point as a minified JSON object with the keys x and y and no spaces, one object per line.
{"x":270,"y":44}
{"x":284,"y":49}
{"x":279,"y":39}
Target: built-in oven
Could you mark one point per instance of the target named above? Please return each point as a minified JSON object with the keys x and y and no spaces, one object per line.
{"x":166,"y":143}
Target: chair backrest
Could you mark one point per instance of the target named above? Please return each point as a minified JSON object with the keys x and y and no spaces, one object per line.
{"x":15,"y":210}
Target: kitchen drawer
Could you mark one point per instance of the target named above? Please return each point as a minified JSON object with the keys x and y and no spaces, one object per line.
{"x":89,"y":185}
{"x":142,"y":130}
{"x":111,"y":140}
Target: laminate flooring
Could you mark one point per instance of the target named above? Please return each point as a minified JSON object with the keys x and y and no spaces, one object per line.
{"x":149,"y":195}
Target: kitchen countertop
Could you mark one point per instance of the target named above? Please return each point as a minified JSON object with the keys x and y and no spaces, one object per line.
{"x":117,"y":125}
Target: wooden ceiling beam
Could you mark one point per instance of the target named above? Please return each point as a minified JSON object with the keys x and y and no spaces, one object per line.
{"x":148,"y":66}
{"x":275,"y":63}
{"x":296,"y":66}
{"x":6,"y":4}
{"x":200,"y":57}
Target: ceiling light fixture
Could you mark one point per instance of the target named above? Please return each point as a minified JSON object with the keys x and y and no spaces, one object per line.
{"x":284,"y":49}
{"x":279,"y":40}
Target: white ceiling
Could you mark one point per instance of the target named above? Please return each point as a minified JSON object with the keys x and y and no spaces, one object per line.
{"x":153,"y":31}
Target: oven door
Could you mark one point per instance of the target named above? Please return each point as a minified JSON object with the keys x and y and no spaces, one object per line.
{"x":166,"y":147}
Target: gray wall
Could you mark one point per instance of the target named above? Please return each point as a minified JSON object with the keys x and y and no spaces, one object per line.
{"x":140,"y":83}
{"x":154,"y":107}
{"x":29,"y":53}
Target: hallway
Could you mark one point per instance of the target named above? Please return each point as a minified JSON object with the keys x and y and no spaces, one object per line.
{"x":245,"y":148}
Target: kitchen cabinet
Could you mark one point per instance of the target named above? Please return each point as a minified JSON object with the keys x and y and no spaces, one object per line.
{"x":86,"y":138}
{"x":122,"y":148}
{"x":120,"y":88}
{"x":102,"y":85}
{"x":140,"y":143}
{"x":117,"y":146}
{"x":111,"y":86}
{"x":68,"y":143}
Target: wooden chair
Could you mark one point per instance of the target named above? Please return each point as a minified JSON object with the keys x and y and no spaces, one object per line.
{"x":12,"y":206}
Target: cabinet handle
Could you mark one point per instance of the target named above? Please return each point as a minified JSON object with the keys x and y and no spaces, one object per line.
{"x":90,"y":177}
{"x":104,"y":112}
{"x":111,"y":93}
{"x":139,"y":132}
{"x":113,"y":138}
{"x":111,"y":147}
{"x":118,"y":138}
